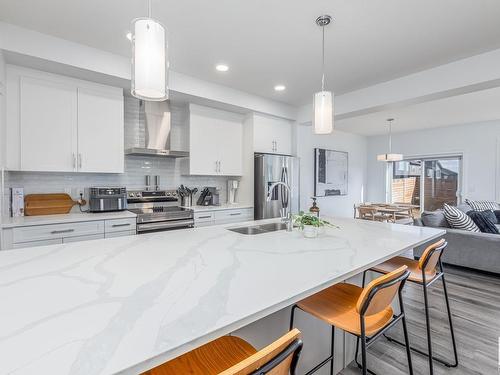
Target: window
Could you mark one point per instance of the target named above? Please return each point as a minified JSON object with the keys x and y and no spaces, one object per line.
{"x":426,"y":182}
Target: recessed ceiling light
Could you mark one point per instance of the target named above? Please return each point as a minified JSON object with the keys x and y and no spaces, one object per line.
{"x":222,"y":67}
{"x":279,"y":88}
{"x":129,"y":36}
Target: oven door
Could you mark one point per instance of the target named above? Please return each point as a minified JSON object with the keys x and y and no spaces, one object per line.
{"x":164,"y":225}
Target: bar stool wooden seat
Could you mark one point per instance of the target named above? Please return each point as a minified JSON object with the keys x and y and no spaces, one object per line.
{"x":364,"y":312}
{"x":231,"y":355}
{"x":425,"y":272}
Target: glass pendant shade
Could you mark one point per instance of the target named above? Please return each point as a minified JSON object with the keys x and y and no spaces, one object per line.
{"x":149,"y":60}
{"x":390,"y":156}
{"x":323,"y":112}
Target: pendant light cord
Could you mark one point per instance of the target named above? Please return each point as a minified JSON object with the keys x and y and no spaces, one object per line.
{"x":150,"y":10}
{"x":323,"y":61}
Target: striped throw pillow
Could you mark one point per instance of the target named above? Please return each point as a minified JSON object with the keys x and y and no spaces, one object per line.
{"x":482,"y":205}
{"x":459,"y":220}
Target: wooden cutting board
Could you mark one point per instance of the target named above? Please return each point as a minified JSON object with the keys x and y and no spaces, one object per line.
{"x":47,"y":204}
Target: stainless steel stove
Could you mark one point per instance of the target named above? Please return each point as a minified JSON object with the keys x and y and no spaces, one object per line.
{"x":158,"y":210}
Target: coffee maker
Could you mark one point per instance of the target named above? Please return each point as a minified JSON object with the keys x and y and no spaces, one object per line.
{"x":232,"y":186}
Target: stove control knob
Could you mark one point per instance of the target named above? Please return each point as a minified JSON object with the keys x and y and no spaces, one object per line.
{"x":131,"y":195}
{"x":168,"y":194}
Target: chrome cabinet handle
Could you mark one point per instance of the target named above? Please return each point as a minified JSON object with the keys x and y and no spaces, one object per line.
{"x":205,"y":217}
{"x":79,"y":160}
{"x":62,"y":231}
{"x":216,"y":166}
{"x":120,"y":225}
{"x":219,"y":166}
{"x":235,"y":214}
{"x":74,"y":160}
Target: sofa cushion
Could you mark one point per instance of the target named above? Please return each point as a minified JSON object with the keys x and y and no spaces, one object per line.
{"x":491,"y":216}
{"x":483,"y":220}
{"x":497,"y":214}
{"x":482,"y":205}
{"x":459,"y":220}
{"x":434,"y":219}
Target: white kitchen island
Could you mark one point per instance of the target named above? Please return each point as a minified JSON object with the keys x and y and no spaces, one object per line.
{"x":124,"y":305}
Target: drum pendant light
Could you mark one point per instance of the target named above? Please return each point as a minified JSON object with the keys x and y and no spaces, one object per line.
{"x":323,"y":100}
{"x":149,"y":59}
{"x":390,"y":156}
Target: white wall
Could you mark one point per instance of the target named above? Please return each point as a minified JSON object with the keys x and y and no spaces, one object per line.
{"x":478,"y":142}
{"x":355,"y":145}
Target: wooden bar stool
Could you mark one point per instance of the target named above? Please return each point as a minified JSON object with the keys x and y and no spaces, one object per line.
{"x":230,"y":355}
{"x":425,"y":272}
{"x":364,"y":312}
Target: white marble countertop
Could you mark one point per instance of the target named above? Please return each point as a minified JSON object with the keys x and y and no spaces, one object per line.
{"x":23,"y":221}
{"x":127,"y":304}
{"x":225,"y":206}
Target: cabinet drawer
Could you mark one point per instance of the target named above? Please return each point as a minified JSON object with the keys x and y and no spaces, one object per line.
{"x":119,"y":225}
{"x":20,"y":245}
{"x":83,"y":238}
{"x":52,"y":231}
{"x":204,"y":216}
{"x":120,"y":234}
{"x":233,"y":215}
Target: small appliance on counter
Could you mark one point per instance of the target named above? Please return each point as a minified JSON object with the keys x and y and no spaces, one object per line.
{"x":209,"y":197}
{"x":16,"y":202}
{"x":103,"y":199}
{"x":159,"y":210}
{"x":232,"y":187}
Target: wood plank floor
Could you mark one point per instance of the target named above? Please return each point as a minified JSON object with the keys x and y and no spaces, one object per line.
{"x":475,"y":305}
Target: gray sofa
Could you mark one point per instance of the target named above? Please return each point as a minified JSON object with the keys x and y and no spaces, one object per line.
{"x":480,"y":251}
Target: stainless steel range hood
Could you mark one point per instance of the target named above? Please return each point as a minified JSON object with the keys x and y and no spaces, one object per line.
{"x":157,"y":134}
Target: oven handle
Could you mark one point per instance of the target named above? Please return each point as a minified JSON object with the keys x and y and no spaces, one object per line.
{"x":164,"y":225}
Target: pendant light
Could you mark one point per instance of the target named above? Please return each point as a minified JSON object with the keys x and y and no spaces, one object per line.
{"x":390,"y":156}
{"x":149,"y":59}
{"x":323,"y":100}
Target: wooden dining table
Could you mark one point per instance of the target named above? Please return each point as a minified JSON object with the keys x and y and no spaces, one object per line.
{"x":393,"y":210}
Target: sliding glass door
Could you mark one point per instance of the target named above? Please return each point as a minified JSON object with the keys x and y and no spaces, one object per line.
{"x":428,"y":183}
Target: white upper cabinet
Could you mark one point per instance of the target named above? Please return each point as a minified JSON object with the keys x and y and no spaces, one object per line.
{"x":272,"y":135}
{"x":100,"y":131}
{"x":215,"y":142}
{"x":48,"y":125}
{"x":60,"y":124}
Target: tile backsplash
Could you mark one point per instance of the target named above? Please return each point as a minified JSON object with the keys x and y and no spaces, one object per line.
{"x":136,"y":167}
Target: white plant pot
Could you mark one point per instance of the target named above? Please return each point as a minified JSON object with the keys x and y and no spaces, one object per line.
{"x":310,"y":231}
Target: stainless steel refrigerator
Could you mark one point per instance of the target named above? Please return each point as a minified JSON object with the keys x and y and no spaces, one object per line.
{"x":269,"y":169}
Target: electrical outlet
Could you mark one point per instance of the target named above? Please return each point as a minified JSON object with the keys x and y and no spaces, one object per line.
{"x":80,"y":192}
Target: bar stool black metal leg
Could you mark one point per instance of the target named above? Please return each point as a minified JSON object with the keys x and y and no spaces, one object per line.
{"x":364,"y":278}
{"x":428,"y":327}
{"x":405,"y":331}
{"x":452,"y":332}
{"x":332,"y":350}
{"x":356,"y":357}
{"x":292,"y":315}
{"x":363,"y":353}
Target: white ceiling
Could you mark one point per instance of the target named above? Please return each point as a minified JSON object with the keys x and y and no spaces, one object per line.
{"x":268,"y":42}
{"x":461,"y":109}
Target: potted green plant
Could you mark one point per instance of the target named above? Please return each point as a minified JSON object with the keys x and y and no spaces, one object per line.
{"x":310,"y":224}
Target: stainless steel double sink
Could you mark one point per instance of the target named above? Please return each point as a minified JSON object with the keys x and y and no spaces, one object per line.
{"x":259,"y":229}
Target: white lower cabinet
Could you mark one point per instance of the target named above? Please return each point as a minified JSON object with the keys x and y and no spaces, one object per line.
{"x":120,"y":234}
{"x":53,"y":234}
{"x":83,"y":238}
{"x":235,"y":215}
{"x":37,"y":243}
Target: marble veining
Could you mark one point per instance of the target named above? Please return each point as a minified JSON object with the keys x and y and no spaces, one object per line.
{"x":126,"y":304}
